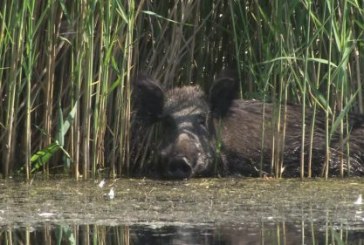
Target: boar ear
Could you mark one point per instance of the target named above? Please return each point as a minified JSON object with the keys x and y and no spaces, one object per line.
{"x":148,"y":97}
{"x":222,"y":93}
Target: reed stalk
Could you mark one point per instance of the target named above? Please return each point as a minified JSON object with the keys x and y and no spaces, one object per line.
{"x":29,"y":61}
{"x":304,"y":99}
{"x":330,"y":6}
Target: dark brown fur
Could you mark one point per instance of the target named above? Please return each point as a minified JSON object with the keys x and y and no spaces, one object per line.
{"x":203,"y":135}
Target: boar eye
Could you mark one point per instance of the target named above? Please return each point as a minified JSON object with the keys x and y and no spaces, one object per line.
{"x":201,"y":119}
{"x":168,"y":122}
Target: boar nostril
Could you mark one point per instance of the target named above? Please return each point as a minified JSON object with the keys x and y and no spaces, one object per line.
{"x":179,"y":168}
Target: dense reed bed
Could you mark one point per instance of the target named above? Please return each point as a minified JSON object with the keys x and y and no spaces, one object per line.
{"x":66,"y":69}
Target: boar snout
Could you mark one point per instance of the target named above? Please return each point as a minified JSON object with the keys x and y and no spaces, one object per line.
{"x":180,"y":157}
{"x":179,"y":168}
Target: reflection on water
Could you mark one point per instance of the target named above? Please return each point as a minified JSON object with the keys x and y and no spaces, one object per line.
{"x":279,"y":233}
{"x":201,"y":211}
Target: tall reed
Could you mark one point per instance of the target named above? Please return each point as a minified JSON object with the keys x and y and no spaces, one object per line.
{"x":76,"y":60}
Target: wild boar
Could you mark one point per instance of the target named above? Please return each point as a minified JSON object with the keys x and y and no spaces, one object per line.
{"x":209,"y":134}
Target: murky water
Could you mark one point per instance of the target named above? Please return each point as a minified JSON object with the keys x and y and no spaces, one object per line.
{"x":197,"y":211}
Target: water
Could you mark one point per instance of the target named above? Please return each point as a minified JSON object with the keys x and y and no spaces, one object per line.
{"x":197,"y":211}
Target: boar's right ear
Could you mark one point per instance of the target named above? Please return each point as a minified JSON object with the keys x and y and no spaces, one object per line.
{"x":149,"y":98}
{"x":222,"y":93}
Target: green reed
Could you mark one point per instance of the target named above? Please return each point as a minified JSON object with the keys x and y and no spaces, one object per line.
{"x":77,"y":60}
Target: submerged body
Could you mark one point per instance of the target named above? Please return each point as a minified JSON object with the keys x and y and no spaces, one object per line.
{"x":206,"y":135}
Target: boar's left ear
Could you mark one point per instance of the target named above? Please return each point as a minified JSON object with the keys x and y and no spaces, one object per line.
{"x":222,"y":93}
{"x":148,"y":97}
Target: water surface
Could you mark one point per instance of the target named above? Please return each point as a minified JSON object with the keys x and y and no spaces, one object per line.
{"x":197,"y":211}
